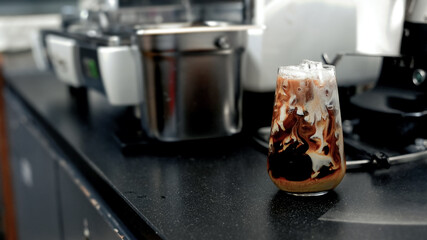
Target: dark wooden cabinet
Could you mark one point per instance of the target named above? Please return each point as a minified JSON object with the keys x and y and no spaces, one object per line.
{"x":52,"y":199}
{"x":81,"y":220}
{"x":35,"y":182}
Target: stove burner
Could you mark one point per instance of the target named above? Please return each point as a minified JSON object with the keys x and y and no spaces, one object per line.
{"x":390,"y":117}
{"x":363,"y":156}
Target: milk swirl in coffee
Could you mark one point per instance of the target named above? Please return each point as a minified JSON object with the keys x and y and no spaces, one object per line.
{"x":306,"y":152}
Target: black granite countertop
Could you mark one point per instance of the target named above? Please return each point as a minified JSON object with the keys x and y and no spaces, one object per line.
{"x":219,"y":189}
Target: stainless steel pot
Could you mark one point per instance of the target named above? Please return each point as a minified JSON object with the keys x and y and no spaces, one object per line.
{"x":192,"y":81}
{"x":185,"y":79}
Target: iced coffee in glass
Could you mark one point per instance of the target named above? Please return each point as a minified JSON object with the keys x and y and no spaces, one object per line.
{"x":306,"y":152}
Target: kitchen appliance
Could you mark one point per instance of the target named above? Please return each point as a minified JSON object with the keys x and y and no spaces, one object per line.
{"x":183,"y":78}
{"x":394,"y":113}
{"x":108,"y":64}
{"x":304,"y":29}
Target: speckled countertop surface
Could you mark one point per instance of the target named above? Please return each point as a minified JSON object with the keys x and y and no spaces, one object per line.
{"x":220,"y":189}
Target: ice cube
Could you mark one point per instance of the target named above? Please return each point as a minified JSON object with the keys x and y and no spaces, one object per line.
{"x":311,"y":65}
{"x":305,"y":65}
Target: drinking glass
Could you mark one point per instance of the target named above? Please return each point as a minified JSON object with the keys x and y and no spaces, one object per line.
{"x":306,"y":152}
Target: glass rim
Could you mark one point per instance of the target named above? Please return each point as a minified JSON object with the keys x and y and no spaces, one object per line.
{"x":298,"y":72}
{"x":297,"y":68}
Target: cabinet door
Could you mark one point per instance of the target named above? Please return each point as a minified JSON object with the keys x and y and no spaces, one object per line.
{"x":34,"y":182}
{"x":79,"y":210}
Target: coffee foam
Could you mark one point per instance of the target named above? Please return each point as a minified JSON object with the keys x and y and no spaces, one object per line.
{"x":308,"y":69}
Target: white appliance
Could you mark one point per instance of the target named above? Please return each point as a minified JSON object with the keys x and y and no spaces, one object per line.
{"x":304,"y":29}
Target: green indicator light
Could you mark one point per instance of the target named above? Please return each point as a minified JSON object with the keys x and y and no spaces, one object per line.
{"x":92,"y":68}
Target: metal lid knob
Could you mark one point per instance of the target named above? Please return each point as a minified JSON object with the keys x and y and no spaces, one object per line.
{"x":222,"y":42}
{"x":418,"y":77}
